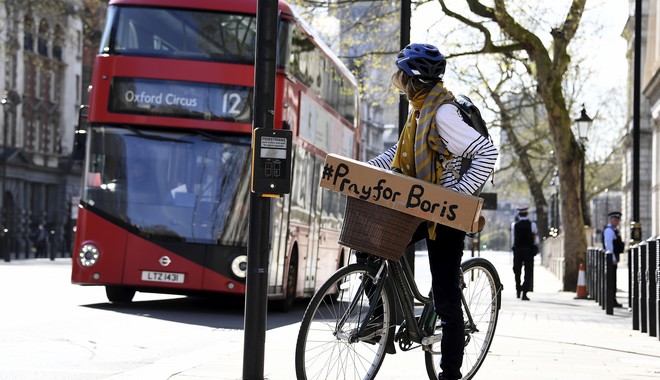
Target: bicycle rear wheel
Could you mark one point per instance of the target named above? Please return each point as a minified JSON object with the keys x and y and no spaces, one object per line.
{"x":328,"y":346}
{"x":482,"y":297}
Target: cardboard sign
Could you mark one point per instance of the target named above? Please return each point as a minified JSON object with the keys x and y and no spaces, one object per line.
{"x":402,"y":193}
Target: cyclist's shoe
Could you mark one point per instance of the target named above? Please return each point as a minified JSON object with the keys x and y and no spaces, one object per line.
{"x":372,"y":332}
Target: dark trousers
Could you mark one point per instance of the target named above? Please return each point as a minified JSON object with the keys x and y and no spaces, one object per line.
{"x":445,"y":253}
{"x":523,"y":258}
{"x":41,"y":249}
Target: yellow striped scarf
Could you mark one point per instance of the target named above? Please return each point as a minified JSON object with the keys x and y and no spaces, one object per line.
{"x":419,"y":143}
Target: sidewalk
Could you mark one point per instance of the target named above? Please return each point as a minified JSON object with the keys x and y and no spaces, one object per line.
{"x":553,"y":336}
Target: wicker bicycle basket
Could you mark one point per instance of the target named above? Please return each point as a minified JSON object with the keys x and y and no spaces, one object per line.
{"x":375,"y":229}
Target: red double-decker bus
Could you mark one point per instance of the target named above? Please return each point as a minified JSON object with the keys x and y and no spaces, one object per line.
{"x":164,"y":205}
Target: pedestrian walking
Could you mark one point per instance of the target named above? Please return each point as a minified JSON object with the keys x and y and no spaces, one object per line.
{"x":435,"y":138}
{"x":40,"y":241}
{"x":612,"y":242}
{"x":524,"y":247}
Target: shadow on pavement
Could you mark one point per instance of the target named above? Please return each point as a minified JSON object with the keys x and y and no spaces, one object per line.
{"x":218,"y":311}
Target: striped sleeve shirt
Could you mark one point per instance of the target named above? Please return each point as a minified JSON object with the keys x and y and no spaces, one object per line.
{"x":462,"y":141}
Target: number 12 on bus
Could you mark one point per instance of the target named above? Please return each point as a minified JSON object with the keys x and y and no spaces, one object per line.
{"x":166,"y":182}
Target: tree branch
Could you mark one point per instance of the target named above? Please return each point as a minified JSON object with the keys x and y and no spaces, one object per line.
{"x":563,"y":35}
{"x":489,"y":46}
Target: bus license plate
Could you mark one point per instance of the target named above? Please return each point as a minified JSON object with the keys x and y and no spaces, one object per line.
{"x":176,"y":278}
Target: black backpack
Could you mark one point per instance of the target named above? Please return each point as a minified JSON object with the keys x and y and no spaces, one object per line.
{"x":472,"y":117}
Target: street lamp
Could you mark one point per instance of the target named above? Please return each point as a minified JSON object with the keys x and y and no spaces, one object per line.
{"x":554,"y":226}
{"x":3,"y":223}
{"x":583,"y":125}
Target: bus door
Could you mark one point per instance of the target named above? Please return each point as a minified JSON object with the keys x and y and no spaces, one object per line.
{"x":315,"y":166}
{"x":330,"y":225}
{"x":279,"y":242}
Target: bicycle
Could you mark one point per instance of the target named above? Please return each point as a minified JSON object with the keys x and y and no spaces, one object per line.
{"x":358,"y":314}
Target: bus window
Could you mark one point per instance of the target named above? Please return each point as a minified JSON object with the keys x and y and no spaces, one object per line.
{"x":313,"y":68}
{"x":182,"y":34}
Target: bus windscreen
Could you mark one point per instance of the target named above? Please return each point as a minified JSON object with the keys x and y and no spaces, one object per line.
{"x":170,"y":186}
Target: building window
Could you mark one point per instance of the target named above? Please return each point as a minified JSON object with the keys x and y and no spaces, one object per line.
{"x":10,"y":71}
{"x":79,"y":41}
{"x":37,"y":82}
{"x":51,"y":137}
{"x":28,"y":37}
{"x":29,"y":135}
{"x":54,"y":88}
{"x":58,"y":41}
{"x":77,"y":89}
{"x":42,"y":43}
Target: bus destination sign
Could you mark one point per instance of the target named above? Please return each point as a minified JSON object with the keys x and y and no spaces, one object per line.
{"x":181,"y":99}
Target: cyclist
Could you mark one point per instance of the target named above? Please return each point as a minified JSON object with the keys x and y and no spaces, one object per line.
{"x":434,"y":140}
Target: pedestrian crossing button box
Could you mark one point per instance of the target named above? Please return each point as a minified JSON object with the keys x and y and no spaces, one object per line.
{"x":271,"y":162}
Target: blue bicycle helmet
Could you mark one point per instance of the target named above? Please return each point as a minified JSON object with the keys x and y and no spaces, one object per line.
{"x":422,"y":61}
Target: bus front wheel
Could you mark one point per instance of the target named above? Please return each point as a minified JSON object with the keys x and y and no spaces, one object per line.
{"x":285,"y":305}
{"x":119,"y":294}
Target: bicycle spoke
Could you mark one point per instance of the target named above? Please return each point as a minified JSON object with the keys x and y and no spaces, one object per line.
{"x":328,"y":346}
{"x":481,"y":308}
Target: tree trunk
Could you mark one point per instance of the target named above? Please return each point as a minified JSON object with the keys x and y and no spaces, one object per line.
{"x":568,"y":155}
{"x":541,"y":216}
{"x":575,"y":243}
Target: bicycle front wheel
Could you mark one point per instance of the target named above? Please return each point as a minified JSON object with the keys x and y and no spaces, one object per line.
{"x":482,"y":295}
{"x":329,"y":346}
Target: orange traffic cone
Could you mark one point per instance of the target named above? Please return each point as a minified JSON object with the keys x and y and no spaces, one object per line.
{"x":582,"y":284}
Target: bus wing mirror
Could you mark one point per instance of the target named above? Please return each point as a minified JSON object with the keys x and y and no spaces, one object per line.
{"x":80,"y":135}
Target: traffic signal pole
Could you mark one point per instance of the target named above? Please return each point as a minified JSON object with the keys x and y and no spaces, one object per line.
{"x":403,"y":101}
{"x":258,"y":250}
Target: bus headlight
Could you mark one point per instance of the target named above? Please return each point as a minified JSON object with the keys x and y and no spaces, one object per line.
{"x":239,"y":266}
{"x":88,"y":255}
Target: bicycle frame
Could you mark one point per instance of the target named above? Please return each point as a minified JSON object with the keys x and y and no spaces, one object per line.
{"x":401,"y":277}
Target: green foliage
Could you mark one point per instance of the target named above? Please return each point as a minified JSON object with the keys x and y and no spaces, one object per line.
{"x":366,"y":38}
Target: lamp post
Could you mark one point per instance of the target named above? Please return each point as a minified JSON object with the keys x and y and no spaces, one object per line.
{"x":3,"y":223}
{"x":554,"y":227}
{"x":583,"y":124}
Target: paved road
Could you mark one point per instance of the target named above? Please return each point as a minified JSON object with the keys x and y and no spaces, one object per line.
{"x":553,"y":336}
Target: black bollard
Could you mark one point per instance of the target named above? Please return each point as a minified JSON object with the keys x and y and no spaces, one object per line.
{"x":641,"y":284}
{"x":610,"y":290}
{"x":657,"y":289}
{"x":651,"y":269}
{"x":634,"y":285}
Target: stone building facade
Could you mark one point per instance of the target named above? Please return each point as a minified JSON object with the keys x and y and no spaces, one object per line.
{"x":41,"y":48}
{"x":649,"y":171}
{"x":650,"y":112}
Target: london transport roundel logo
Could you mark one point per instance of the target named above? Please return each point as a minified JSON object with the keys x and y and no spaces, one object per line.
{"x":164,"y":261}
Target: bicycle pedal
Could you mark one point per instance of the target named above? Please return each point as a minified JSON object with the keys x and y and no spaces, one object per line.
{"x":432,"y":339}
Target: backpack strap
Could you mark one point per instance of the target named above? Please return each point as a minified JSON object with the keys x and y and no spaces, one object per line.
{"x":465,"y":162}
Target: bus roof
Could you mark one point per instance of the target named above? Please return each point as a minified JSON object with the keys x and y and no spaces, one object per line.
{"x":241,"y":6}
